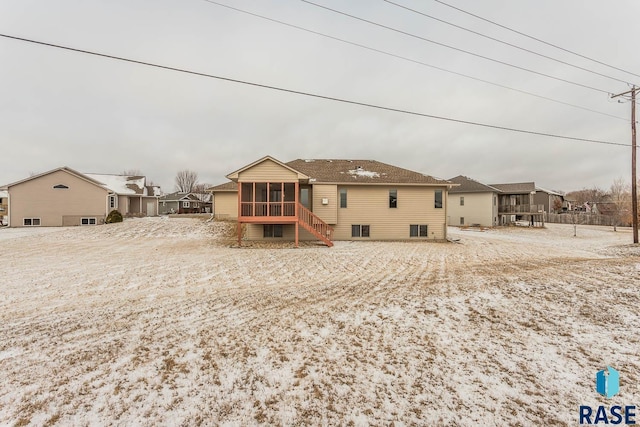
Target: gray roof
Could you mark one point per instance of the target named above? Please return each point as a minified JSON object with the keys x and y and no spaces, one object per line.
{"x":226,"y":187}
{"x":338,"y":171}
{"x":516,"y":188}
{"x":468,"y":185}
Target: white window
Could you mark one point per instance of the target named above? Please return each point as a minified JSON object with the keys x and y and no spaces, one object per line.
{"x":113,"y":202}
{"x":31,"y":222}
{"x":418,"y":230}
{"x":185,"y":204}
{"x":87,"y":221}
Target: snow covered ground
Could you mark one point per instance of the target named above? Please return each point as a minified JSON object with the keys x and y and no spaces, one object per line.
{"x":159,"y":321}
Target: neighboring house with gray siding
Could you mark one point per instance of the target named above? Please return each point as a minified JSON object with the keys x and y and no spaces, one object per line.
{"x":329,"y":199}
{"x":184,"y":203}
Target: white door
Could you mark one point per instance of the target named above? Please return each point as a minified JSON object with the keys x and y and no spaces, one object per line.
{"x":151,"y":208}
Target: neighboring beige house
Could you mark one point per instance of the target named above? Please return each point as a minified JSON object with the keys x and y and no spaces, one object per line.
{"x":4,"y":207}
{"x":337,"y":200}
{"x":134,"y":196}
{"x":472,"y":203}
{"x":225,"y":200}
{"x":65,"y":197}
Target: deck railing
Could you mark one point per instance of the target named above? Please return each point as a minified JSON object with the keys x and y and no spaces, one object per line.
{"x":516,"y":209}
{"x":268,"y":209}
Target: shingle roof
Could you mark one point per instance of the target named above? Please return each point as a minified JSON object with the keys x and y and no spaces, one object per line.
{"x":360,"y":172}
{"x":468,"y":185}
{"x":516,"y":188}
{"x":227,"y":186}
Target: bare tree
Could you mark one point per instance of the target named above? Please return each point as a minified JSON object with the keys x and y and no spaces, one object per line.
{"x":200,"y":191}
{"x":591,"y":195}
{"x":186,"y":180}
{"x":621,"y":199}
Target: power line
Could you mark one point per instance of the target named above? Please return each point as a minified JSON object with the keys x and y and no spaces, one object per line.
{"x":536,"y":39}
{"x":297,"y":92}
{"x":456,"y":48}
{"x":506,"y":43}
{"x":415,"y":61}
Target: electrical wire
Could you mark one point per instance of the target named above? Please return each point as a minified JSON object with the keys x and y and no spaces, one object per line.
{"x":456,"y":48}
{"x":415,"y":61}
{"x":537,"y":39}
{"x":506,"y":43}
{"x":309,"y":94}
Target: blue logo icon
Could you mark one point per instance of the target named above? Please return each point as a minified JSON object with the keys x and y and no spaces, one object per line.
{"x":608,"y":382}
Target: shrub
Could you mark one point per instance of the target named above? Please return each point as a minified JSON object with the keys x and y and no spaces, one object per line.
{"x":114,"y":216}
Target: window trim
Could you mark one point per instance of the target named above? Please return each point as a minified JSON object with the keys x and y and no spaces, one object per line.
{"x":186,"y":204}
{"x":435,"y":199}
{"x":393,"y":199}
{"x":343,"y":201}
{"x":359,"y":229}
{"x":113,"y":201}
{"x":89,"y":222}
{"x":416,"y":231}
{"x":31,"y":222}
{"x":461,"y":200}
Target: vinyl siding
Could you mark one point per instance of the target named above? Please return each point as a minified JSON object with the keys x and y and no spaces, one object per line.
{"x":328,"y":213}
{"x":37,"y":198}
{"x":267,"y":171}
{"x":255,"y":232}
{"x":225,"y":205}
{"x":369,"y":205}
{"x":478,"y":209}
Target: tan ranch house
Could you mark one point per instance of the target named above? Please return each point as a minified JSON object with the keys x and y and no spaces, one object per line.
{"x":329,"y":200}
{"x":65,"y":197}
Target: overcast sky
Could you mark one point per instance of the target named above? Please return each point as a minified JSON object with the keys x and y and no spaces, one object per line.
{"x":97,"y":115}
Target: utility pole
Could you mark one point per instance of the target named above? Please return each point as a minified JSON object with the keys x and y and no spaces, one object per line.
{"x":634,"y":193}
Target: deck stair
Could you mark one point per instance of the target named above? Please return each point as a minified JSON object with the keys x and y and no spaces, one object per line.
{"x":314,"y":225}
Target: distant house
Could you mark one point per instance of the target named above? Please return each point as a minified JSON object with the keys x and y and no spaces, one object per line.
{"x":551,"y":200}
{"x":225,"y":200}
{"x":327,"y":199}
{"x":472,"y":203}
{"x":65,"y":197}
{"x":516,"y":202}
{"x":184,"y":203}
{"x":4,"y":207}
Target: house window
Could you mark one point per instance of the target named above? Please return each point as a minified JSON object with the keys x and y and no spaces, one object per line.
{"x":360,"y":230}
{"x":62,"y":186}
{"x":438,"y":200}
{"x":113,"y":202}
{"x":87,"y":221}
{"x":495,"y":200}
{"x":272,"y":230}
{"x":185,"y":204}
{"x":418,"y":230}
{"x":461,"y":200}
{"x":393,"y":198}
{"x":31,"y":222}
{"x":343,"y":198}
{"x":304,"y":198}
{"x":461,"y":220}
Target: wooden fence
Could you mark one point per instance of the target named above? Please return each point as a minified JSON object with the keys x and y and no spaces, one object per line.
{"x":580,"y":218}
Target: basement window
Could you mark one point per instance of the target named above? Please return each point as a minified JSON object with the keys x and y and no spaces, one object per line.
{"x":31,"y":222}
{"x":418,"y":230}
{"x":360,"y":230}
{"x":272,"y":230}
{"x":87,"y":221}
